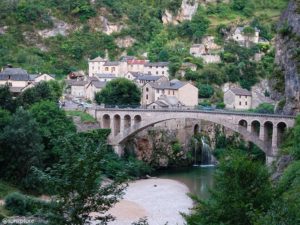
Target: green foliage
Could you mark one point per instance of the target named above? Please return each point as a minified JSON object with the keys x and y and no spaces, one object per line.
{"x":205,"y":90}
{"x":42,"y":91}
{"x":84,"y":117}
{"x":23,"y":205}
{"x":79,"y":173}
{"x":6,"y":189}
{"x":20,"y":138}
{"x":5,"y":118}
{"x":120,"y":91}
{"x":264,"y":108}
{"x":220,"y":105}
{"x":241,"y":184}
{"x":6,"y":99}
{"x":294,"y":140}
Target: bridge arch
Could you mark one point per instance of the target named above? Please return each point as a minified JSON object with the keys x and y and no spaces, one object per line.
{"x":255,"y":127}
{"x":243,"y":123}
{"x":137,"y":120}
{"x":127,"y":121}
{"x":117,"y":124}
{"x":120,"y":139}
{"x":106,"y":121}
{"x":281,"y":130}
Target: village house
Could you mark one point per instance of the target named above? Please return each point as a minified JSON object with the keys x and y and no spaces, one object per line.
{"x":136,"y":65}
{"x":143,"y":79}
{"x":93,"y":87}
{"x":105,"y":77}
{"x":166,"y":102}
{"x":243,"y":39}
{"x":185,"y":92}
{"x":132,"y":75}
{"x":78,"y":87}
{"x":19,"y":80}
{"x":238,"y":99}
{"x":158,"y":69}
{"x":96,"y":66}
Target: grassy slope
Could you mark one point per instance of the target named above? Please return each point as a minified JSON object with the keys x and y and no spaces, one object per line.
{"x":84,"y":117}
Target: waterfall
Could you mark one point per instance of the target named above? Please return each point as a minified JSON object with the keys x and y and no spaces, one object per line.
{"x":205,"y":159}
{"x":206,"y":156}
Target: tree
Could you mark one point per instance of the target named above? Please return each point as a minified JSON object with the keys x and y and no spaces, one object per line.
{"x":5,"y":118}
{"x":21,"y":148}
{"x":6,"y":99}
{"x":242,"y":190}
{"x":265,"y":108}
{"x":52,"y":124}
{"x":205,"y":90}
{"x":119,"y":92}
{"x":76,"y":181}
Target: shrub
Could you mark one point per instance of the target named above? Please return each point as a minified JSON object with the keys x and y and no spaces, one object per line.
{"x":265,"y":108}
{"x":220,"y":105}
{"x":22,"y":205}
{"x":205,"y":90}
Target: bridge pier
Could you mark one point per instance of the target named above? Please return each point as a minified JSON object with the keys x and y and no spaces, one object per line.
{"x":275,"y":141}
{"x":262,"y":133}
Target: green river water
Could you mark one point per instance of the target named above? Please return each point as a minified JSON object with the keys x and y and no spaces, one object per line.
{"x":198,"y":179}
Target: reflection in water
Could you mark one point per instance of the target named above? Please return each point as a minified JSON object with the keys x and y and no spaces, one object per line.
{"x":199,"y":180}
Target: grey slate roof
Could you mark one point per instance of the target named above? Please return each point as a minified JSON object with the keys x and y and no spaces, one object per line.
{"x":116,"y":63}
{"x":171,"y":85}
{"x":17,"y":74}
{"x":76,"y":83}
{"x":159,"y":64}
{"x":148,"y":77}
{"x":98,"y":84}
{"x":241,"y":91}
{"x":106,"y":75}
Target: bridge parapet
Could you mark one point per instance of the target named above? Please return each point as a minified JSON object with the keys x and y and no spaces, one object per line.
{"x":264,"y":130}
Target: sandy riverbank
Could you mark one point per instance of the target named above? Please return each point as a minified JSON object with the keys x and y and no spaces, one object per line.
{"x":160,"y":200}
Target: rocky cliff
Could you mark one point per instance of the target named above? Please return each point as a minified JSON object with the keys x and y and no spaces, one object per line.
{"x":288,"y":55}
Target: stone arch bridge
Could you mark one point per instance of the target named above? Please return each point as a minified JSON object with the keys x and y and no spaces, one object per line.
{"x":264,"y":130}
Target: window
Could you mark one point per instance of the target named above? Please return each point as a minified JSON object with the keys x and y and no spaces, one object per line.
{"x":156,"y":72}
{"x":240,"y":96}
{"x":156,"y":67}
{"x":240,"y":103}
{"x":149,"y":72}
{"x":163,"y":91}
{"x":113,"y":69}
{"x":163,"y":72}
{"x":147,"y":97}
{"x":246,"y":103}
{"x":246,"y":97}
{"x":106,"y":68}
{"x":147,"y":89}
{"x":157,"y":91}
{"x":168,"y":92}
{"x":173,"y":92}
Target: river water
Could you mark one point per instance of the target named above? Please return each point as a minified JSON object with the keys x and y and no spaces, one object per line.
{"x":198,"y":179}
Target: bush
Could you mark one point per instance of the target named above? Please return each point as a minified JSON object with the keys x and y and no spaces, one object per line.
{"x":220,"y":105}
{"x":264,"y":108}
{"x":22,"y":205}
{"x":205,"y":90}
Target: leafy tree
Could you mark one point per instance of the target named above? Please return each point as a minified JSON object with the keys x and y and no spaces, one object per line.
{"x":264,"y":108}
{"x":6,"y":99}
{"x":21,"y":148}
{"x":191,"y":75}
{"x":205,"y":90}
{"x":52,"y":124}
{"x":76,"y":181}
{"x":242,"y":190}
{"x":119,"y":92}
{"x":5,"y":118}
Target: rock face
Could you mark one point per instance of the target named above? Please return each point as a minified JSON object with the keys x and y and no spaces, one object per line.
{"x":101,"y":23}
{"x":59,"y":28}
{"x":187,"y":10}
{"x":287,"y":55}
{"x":125,"y":42}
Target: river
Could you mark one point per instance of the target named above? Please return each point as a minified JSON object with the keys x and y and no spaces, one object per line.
{"x":198,"y":179}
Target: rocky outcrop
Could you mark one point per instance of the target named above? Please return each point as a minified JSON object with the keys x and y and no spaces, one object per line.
{"x":59,"y":28}
{"x":288,"y":55}
{"x":101,"y":23}
{"x":187,"y":10}
{"x":125,"y":42}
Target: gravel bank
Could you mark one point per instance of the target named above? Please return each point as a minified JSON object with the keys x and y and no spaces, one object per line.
{"x":160,"y":200}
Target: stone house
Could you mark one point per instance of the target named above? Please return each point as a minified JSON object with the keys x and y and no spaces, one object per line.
{"x":132,"y":75}
{"x":105,"y":77}
{"x":238,"y":99}
{"x":96,"y":66}
{"x":78,"y":88}
{"x":143,"y":79}
{"x":158,"y":69}
{"x":166,"y":102}
{"x":185,"y":92}
{"x":93,"y":87}
{"x":15,"y":77}
{"x":136,"y":65}
{"x":42,"y":77}
{"x":244,"y":40}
